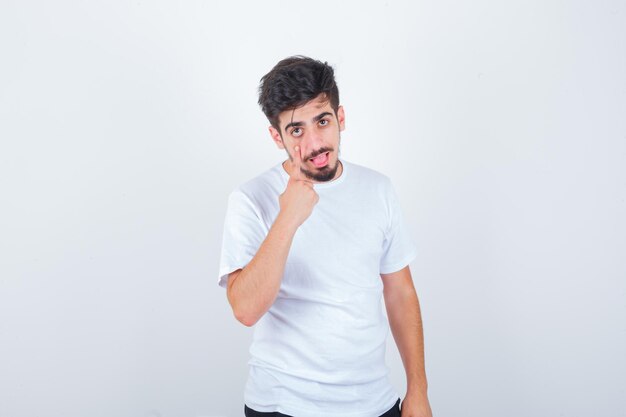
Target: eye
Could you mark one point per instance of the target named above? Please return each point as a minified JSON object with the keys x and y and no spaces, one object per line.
{"x":324,"y":122}
{"x":296,"y":132}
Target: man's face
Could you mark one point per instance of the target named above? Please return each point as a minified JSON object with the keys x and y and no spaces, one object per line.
{"x":316,"y":129}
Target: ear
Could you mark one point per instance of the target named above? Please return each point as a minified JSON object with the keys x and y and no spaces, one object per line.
{"x":341,"y":117}
{"x":276,"y":137}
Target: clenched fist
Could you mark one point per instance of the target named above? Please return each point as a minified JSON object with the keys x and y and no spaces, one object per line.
{"x":299,"y":198}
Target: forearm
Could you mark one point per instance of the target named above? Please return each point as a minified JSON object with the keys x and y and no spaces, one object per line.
{"x":406,"y":326}
{"x":254,"y":289}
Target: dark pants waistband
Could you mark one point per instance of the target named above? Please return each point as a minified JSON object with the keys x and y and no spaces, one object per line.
{"x":249,"y":412}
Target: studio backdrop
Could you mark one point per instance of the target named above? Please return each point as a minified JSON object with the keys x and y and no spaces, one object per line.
{"x":124,"y":125}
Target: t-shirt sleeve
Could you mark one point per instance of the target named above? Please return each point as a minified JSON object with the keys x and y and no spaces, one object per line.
{"x":244,"y":231}
{"x":398,"y":247}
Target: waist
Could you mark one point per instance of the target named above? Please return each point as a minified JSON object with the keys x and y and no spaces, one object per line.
{"x":268,"y":387}
{"x":332,"y":353}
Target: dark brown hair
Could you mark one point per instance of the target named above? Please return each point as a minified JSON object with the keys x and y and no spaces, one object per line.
{"x":293,"y":82}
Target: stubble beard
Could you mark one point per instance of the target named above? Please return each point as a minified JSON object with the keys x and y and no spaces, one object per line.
{"x":323,"y":174}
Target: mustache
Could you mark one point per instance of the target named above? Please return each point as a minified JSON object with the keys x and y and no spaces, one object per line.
{"x":319,"y":152}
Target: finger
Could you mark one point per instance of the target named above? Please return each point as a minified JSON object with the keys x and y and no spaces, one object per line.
{"x":296,"y":173}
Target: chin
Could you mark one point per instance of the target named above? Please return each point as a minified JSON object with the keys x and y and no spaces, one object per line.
{"x":326,"y":173}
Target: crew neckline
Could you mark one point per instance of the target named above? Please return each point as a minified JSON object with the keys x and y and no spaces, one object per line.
{"x":320,"y":185}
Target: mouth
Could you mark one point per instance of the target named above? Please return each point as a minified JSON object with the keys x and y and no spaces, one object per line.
{"x":320,"y":160}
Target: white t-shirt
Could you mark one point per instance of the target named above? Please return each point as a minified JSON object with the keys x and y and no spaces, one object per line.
{"x":320,"y":348}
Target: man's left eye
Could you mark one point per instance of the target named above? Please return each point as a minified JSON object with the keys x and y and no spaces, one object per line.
{"x":323,"y":122}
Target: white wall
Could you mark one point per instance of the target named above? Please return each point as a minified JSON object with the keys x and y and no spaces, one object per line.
{"x":124,"y":126}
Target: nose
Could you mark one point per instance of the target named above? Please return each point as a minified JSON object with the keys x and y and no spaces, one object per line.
{"x":313,"y":141}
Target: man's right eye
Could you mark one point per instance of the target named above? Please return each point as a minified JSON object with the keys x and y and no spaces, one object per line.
{"x":296,"y":132}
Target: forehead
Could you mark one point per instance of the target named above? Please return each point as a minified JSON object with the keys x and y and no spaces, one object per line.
{"x":306,"y":112}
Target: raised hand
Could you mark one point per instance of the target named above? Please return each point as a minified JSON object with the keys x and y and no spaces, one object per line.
{"x":299,"y":198}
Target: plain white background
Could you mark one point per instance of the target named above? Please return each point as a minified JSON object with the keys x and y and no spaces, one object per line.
{"x":124,"y":126}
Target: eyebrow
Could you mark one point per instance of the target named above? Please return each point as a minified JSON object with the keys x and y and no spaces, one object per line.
{"x":315,"y":119}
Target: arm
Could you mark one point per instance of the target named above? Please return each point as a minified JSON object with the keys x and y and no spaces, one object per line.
{"x":406,"y":326}
{"x":252,"y":290}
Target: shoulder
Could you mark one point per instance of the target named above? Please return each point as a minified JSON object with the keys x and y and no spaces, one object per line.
{"x":373,"y":179}
{"x":261,"y":187}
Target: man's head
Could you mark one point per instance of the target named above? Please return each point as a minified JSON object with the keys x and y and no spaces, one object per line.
{"x":300,"y":98}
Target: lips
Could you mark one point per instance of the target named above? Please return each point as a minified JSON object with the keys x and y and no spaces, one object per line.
{"x":320,"y":160}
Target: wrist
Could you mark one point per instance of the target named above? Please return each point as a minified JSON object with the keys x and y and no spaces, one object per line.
{"x":285,"y":224}
{"x":420,"y":390}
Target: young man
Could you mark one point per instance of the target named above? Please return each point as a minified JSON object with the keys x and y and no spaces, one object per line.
{"x":310,"y":247}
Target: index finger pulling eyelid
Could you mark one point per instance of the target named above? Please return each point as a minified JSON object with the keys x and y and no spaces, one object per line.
{"x":296,"y":162}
